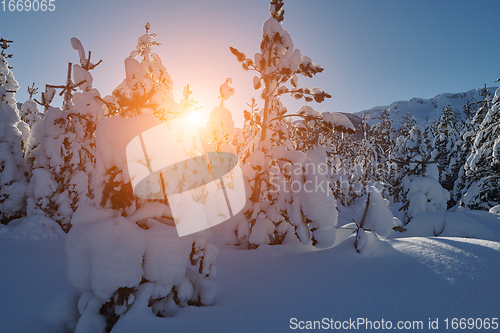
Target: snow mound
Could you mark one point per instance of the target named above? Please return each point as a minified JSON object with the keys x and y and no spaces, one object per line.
{"x":105,"y":255}
{"x":413,"y":278}
{"x":426,"y":195}
{"x":495,"y":210}
{"x":448,"y":224}
{"x":32,"y":227}
{"x":379,"y":217}
{"x":409,"y":279}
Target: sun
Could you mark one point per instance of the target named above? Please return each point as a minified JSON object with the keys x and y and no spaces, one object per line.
{"x":196,"y":117}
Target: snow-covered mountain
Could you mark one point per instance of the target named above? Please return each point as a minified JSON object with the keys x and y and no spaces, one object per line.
{"x":421,"y":108}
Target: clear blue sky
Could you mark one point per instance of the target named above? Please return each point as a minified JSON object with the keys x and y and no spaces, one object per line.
{"x":373,"y":52}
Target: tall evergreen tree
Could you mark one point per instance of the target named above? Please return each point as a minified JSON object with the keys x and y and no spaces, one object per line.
{"x":13,"y":171}
{"x":482,"y":168}
{"x":172,"y":271}
{"x":446,"y":142}
{"x":61,"y":146}
{"x":383,"y":133}
{"x":372,"y":152}
{"x":276,"y":209}
{"x":406,"y":142}
{"x":476,"y":113}
{"x":418,"y":173}
{"x":362,"y":164}
{"x":384,"y":137}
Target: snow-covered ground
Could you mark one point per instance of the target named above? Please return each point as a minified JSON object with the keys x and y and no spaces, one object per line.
{"x":409,"y":279}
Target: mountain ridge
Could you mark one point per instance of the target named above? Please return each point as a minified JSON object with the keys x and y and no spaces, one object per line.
{"x":421,"y":108}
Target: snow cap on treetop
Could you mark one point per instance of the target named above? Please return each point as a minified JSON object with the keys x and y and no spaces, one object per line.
{"x":77,"y":45}
{"x":226,"y":91}
{"x":86,"y":64}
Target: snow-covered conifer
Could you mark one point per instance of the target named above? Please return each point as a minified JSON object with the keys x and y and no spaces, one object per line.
{"x":383,"y":132}
{"x":147,"y":87}
{"x":124,"y":253}
{"x":475,"y":114}
{"x":447,"y":142}
{"x":135,"y":263}
{"x":419,"y":190}
{"x":373,"y":220}
{"x":29,"y":110}
{"x":384,"y":137}
{"x":251,"y":126}
{"x":187,"y":103}
{"x":344,"y":173}
{"x":271,"y":162}
{"x":220,"y":125}
{"x":406,"y":142}
{"x":357,"y":162}
{"x":61,"y":146}
{"x":481,"y":171}
{"x":368,"y":156}
{"x":13,"y":171}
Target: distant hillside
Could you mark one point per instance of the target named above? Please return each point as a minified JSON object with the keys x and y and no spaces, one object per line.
{"x":422,"y":108}
{"x":354,"y":118}
{"x":419,"y":108}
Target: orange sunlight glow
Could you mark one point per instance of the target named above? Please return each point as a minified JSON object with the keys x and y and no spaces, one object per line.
{"x":196,"y":117}
{"x":204,"y":103}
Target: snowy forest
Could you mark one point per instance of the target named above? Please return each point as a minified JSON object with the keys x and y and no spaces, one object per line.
{"x":375,"y":216}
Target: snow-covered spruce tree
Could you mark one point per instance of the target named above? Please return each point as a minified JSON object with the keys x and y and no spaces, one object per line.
{"x":135,"y":263}
{"x":447,"y":142}
{"x":276,"y":209}
{"x":483,"y":107}
{"x":35,"y":139}
{"x":312,"y":130}
{"x":356,"y":163}
{"x":476,"y":113}
{"x":405,"y":143}
{"x":464,"y":146}
{"x":61,"y":146}
{"x":413,"y":144}
{"x":11,"y":86}
{"x":332,"y":149}
{"x":420,"y":184}
{"x":13,"y":171}
{"x":29,"y":115}
{"x":373,"y":220}
{"x":187,"y":103}
{"x":29,"y":110}
{"x":341,"y":157}
{"x":148,"y":86}
{"x":251,"y":126}
{"x":220,"y":125}
{"x":482,"y":168}
{"x":369,"y":160}
{"x":383,"y":136}
{"x":146,"y":89}
{"x":383,"y":132}
{"x":124,"y":253}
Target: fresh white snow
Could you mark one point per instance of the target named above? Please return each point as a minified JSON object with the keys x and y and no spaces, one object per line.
{"x":413,"y":278}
